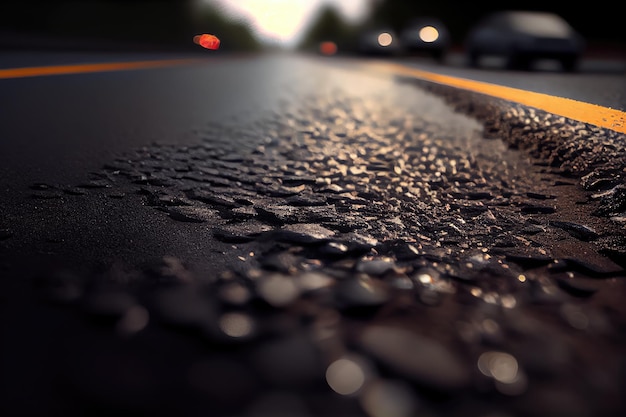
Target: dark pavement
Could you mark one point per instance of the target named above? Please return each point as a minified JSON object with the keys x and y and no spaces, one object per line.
{"x":320,"y":241}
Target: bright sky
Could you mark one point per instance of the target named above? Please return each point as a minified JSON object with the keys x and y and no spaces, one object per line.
{"x":285,"y":21}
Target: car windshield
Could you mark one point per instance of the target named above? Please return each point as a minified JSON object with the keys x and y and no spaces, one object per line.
{"x":539,"y":24}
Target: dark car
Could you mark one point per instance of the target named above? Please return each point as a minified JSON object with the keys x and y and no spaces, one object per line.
{"x":426,"y":36}
{"x":522,"y":38}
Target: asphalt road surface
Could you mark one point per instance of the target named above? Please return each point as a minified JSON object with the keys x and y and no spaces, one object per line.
{"x":285,"y":236}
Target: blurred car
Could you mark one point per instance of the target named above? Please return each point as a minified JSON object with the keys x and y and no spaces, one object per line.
{"x":523,"y":37}
{"x":426,"y":35}
{"x":382,"y":41}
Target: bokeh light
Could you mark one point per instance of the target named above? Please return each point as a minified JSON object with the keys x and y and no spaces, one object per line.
{"x":429,"y":34}
{"x":278,"y":290}
{"x":345,"y":376}
{"x":505,"y":370}
{"x":389,"y":398}
{"x":134,"y":319}
{"x":236,"y":324}
{"x":498,"y":365}
{"x":207,"y":41}
{"x":328,"y":48}
{"x":385,"y":39}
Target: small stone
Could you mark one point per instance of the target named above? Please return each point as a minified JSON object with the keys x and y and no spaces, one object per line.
{"x":539,"y":196}
{"x":419,"y":358}
{"x":212,"y":198}
{"x":305,"y":233}
{"x":577,"y":285}
{"x":41,"y":186}
{"x":378,"y":266}
{"x":95,"y":184}
{"x":579,"y":231}
{"x":241,"y":232}
{"x":277,"y":289}
{"x":192,"y":214}
{"x":361,"y":291}
{"x":306,"y":200}
{"x":234,"y":293}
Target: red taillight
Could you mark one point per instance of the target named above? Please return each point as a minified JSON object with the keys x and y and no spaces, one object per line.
{"x":207,"y":41}
{"x":328,"y":48}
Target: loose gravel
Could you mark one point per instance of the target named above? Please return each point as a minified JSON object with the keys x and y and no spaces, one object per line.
{"x":385,"y":263}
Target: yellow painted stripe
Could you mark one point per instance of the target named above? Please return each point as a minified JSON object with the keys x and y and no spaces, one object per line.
{"x":572,"y":109}
{"x":84,"y":68}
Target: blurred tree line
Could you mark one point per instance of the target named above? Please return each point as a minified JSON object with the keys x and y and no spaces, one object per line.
{"x":153,"y":24}
{"x":595,"y":21}
{"x":329,"y":25}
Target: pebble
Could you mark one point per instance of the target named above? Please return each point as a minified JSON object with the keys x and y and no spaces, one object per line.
{"x":416,"y":357}
{"x":303,"y":233}
{"x":192,"y":214}
{"x":361,"y":291}
{"x":578,"y":231}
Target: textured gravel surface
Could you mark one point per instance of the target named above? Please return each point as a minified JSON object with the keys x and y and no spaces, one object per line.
{"x":373,"y":247}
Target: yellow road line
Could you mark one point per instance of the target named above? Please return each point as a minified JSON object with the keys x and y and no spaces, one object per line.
{"x":84,"y":68}
{"x":572,"y":109}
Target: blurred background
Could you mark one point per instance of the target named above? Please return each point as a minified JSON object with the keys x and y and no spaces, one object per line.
{"x":260,"y":25}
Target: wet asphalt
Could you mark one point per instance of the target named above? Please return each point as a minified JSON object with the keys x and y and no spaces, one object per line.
{"x":358,"y":245}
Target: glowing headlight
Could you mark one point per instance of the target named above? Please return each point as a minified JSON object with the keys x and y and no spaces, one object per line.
{"x":385,"y":39}
{"x":429,"y":34}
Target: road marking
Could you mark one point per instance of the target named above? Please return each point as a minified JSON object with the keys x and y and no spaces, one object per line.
{"x":572,"y":109}
{"x":85,"y":68}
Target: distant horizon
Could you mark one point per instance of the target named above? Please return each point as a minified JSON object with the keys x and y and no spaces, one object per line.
{"x":284,"y":22}
{"x":275,"y":23}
